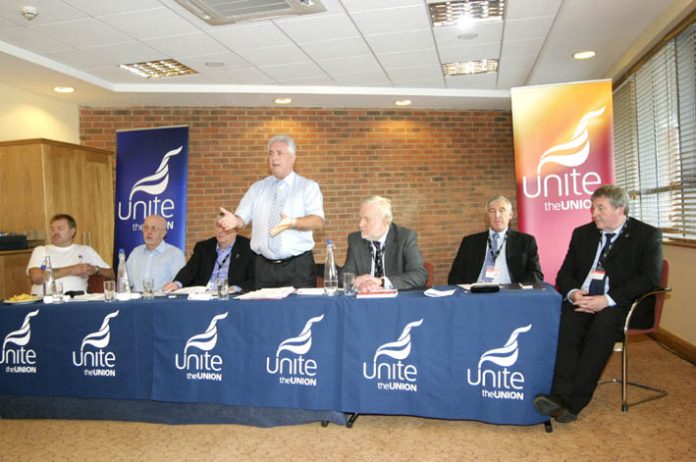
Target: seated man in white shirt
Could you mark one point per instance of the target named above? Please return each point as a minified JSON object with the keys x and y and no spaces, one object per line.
{"x":155,"y":259}
{"x":72,"y":263}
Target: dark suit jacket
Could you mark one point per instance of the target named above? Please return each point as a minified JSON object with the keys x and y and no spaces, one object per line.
{"x":633,"y":265}
{"x":521,"y":254}
{"x":402,"y":258}
{"x":200,"y":266}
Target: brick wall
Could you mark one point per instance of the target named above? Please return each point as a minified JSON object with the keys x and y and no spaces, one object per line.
{"x":438,"y":167}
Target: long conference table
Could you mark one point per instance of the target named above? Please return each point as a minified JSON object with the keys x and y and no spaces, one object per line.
{"x":466,"y":356}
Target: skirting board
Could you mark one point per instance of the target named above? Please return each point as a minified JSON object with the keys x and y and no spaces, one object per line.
{"x":681,"y":347}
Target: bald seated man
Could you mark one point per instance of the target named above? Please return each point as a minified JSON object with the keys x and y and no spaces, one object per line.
{"x":155,"y":258}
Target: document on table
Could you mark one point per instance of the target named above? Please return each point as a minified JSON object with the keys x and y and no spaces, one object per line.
{"x":275,"y":293}
{"x":385,"y":293}
{"x":439,"y":293}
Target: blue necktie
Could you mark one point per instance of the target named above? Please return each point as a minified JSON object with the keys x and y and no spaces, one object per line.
{"x":490,"y":257}
{"x":597,"y":285}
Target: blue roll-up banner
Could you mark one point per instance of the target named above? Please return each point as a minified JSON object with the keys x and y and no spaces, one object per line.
{"x":151,"y":173}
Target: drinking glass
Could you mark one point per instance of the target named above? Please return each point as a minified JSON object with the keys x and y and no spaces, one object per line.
{"x":348,"y":283}
{"x":58,"y":292}
{"x":109,"y":289}
{"x":223,"y":290}
{"x":148,"y":288}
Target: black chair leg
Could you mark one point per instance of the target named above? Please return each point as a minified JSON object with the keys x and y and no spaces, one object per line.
{"x":548,"y":428}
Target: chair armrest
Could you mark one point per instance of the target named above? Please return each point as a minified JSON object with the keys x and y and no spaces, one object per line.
{"x":639,"y":300}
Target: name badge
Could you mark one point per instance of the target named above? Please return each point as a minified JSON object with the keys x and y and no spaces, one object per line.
{"x":597,"y":275}
{"x":491,"y":272}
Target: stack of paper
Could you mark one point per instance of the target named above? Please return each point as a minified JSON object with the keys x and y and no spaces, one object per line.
{"x":384,"y":293}
{"x":267,"y":294}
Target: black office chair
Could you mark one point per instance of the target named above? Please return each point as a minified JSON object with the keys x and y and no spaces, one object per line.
{"x":659,"y":295}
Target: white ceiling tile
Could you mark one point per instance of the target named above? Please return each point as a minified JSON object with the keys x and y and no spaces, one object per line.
{"x":370,"y":79}
{"x":105,"y":7}
{"x":393,"y":20}
{"x":181,"y":46}
{"x":50,"y":11}
{"x":400,"y":41}
{"x":519,"y":9}
{"x":251,"y":36}
{"x":354,"y":6}
{"x":77,"y":59}
{"x":425,"y":83}
{"x":287,"y":54}
{"x":31,"y":41}
{"x":528,"y":47}
{"x":353,"y":65}
{"x":515,"y":63}
{"x":293,"y":71}
{"x":126,"y":53}
{"x":247,"y":76}
{"x":149,"y":24}
{"x":412,"y":58}
{"x":322,"y":80}
{"x":116,"y":75}
{"x":229,"y":60}
{"x":467,"y":53}
{"x":473,"y":82}
{"x":486,"y":33}
{"x":83,"y":33}
{"x":308,"y":29}
{"x":411,"y":74}
{"x":345,"y":47}
{"x":528,"y":28}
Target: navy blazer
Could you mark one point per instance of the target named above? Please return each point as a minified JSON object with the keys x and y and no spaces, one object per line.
{"x":200,"y":266}
{"x":633,"y":265}
{"x":521,"y":254}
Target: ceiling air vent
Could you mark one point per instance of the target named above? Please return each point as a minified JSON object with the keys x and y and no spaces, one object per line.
{"x":218,"y":12}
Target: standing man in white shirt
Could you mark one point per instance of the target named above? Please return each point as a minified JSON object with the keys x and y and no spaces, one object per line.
{"x":72,"y":263}
{"x":155,"y":259}
{"x":285,"y":209}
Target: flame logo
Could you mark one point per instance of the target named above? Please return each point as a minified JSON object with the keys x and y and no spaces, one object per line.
{"x":303,"y":342}
{"x":578,"y":148}
{"x":156,"y":183}
{"x":506,"y":355}
{"x":100,"y":338}
{"x":207,"y":340}
{"x":401,"y":348}
{"x":21,"y":336}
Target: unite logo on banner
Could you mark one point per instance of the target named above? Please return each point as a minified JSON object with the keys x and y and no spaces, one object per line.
{"x":151,"y":177}
{"x":97,"y":362}
{"x":390,"y":375}
{"x":500,"y":382}
{"x":19,"y":360}
{"x":295,"y":370}
{"x":202,"y":366}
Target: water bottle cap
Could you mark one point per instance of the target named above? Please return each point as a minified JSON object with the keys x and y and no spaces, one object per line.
{"x":43,"y":267}
{"x":121,"y":250}
{"x":329,"y":242}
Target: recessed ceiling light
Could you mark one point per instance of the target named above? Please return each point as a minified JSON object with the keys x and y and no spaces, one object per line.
{"x":451,"y":12}
{"x":589,"y":54}
{"x":64,"y":89}
{"x":283,"y":100}
{"x":158,"y":69}
{"x":470,"y":67}
{"x":403,"y":102}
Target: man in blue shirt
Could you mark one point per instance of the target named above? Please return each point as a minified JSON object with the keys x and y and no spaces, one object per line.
{"x":155,"y":258}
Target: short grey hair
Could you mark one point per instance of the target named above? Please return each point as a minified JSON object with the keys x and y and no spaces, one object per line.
{"x":289,"y":142}
{"x":383,"y":204}
{"x":496,"y":198}
{"x":618,"y":197}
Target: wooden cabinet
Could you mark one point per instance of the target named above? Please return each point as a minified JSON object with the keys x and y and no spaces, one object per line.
{"x":40,"y":178}
{"x":13,"y":279}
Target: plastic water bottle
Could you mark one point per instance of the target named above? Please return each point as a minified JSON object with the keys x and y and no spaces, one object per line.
{"x":330,"y":273}
{"x":123,"y":288}
{"x":49,"y":284}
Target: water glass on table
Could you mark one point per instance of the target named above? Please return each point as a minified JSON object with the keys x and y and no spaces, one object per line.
{"x":223,"y":290}
{"x":58,"y":292}
{"x":109,"y":289}
{"x":348,"y":283}
{"x":148,"y":289}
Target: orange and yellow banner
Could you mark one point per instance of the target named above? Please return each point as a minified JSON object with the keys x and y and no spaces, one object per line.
{"x":563,"y":152}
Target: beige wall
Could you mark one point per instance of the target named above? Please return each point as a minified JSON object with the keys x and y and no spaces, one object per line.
{"x":28,"y":115}
{"x":679,"y":317}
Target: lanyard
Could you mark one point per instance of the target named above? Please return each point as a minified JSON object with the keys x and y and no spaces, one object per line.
{"x":494,"y":255}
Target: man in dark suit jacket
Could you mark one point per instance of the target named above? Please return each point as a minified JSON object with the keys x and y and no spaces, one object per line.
{"x":521,"y":262}
{"x":211,"y":256}
{"x":609,"y":264}
{"x":383,"y":254}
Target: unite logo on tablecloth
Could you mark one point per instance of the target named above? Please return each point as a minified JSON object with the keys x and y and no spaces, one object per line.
{"x":19,"y":360}
{"x":390,"y":375}
{"x":202,"y":366}
{"x":97,"y":362}
{"x":295,"y":370}
{"x":499,"y":382}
